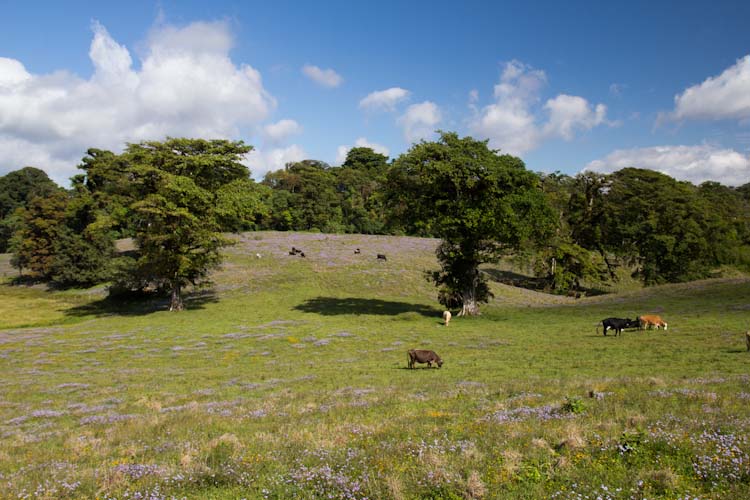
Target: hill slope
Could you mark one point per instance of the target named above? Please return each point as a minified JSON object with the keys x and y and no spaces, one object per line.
{"x":289,"y":380}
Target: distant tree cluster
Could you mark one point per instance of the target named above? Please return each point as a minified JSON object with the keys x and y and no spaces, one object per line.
{"x":177,"y":197}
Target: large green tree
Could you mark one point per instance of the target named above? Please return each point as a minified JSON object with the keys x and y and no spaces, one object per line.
{"x":480,"y":203}
{"x":174,"y":216}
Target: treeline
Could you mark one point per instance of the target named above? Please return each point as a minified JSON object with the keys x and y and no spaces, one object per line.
{"x":176,"y":197}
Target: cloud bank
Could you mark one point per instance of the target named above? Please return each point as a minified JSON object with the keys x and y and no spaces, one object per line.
{"x":186,"y":85}
{"x":688,"y":163}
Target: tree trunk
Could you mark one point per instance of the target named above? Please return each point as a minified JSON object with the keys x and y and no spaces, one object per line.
{"x":176,"y":303}
{"x":470,"y":307}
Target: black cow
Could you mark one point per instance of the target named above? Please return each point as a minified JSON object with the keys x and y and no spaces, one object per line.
{"x":617,"y":324}
{"x":381,"y":256}
{"x":424,"y":356}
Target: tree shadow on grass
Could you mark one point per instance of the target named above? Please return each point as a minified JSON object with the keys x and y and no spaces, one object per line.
{"x":140,"y":306}
{"x":332,"y":306}
{"x":532,"y":283}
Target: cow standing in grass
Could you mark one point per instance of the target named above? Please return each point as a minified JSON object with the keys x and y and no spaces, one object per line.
{"x":424,"y":356}
{"x":447,"y":317}
{"x":649,"y":320}
{"x":616,"y":324}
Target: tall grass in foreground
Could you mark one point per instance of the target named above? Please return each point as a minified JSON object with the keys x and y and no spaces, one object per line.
{"x":290,"y":381}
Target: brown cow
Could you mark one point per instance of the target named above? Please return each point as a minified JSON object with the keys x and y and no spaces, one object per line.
{"x":424,"y":356}
{"x":651,"y":320}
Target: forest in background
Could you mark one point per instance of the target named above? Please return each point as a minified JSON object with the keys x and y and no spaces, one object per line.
{"x":176,"y":197}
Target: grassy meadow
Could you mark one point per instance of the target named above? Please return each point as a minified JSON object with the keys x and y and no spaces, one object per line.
{"x":288,"y":379}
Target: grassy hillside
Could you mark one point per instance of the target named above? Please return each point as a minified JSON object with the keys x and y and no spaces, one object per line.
{"x":288,"y":379}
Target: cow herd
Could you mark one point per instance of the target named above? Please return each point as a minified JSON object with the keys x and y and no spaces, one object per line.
{"x":642,"y":322}
{"x":357,"y":251}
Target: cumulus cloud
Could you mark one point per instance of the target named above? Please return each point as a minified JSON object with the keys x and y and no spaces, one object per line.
{"x":512,"y":122}
{"x":420,"y":121}
{"x":324,"y":77}
{"x":689,"y":163}
{"x":726,"y":96}
{"x":261,"y":162}
{"x":281,"y":130}
{"x":384,"y":99}
{"x":186,"y":86}
{"x":342,"y":151}
{"x":568,"y":113}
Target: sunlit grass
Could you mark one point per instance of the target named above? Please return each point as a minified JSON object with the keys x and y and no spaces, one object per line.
{"x":291,"y":382}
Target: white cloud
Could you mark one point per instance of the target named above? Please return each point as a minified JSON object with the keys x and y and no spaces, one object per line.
{"x":726,"y":96}
{"x":384,"y":99}
{"x":325,"y":77}
{"x":12,"y":72}
{"x":186,"y":86}
{"x":342,"y":151}
{"x":420,"y":121}
{"x":261,"y":162}
{"x":281,"y":130}
{"x":690,"y":163}
{"x":511,"y":123}
{"x":567,"y":113}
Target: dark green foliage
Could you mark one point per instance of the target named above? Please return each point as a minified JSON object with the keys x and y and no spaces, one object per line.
{"x":359,"y":183}
{"x":242,"y":204}
{"x":17,"y":189}
{"x":657,"y":222}
{"x":481,"y":204}
{"x":175,"y":214}
{"x":58,"y":241}
{"x":310,"y":202}
{"x":33,"y":243}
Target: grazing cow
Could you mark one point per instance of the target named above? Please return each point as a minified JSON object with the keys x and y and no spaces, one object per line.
{"x":381,"y":256}
{"x":357,"y":251}
{"x":616,"y":324}
{"x":257,"y":256}
{"x":747,"y":339}
{"x":649,"y":320}
{"x":292,"y":252}
{"x":447,"y":317}
{"x":424,"y":356}
{"x":295,"y":251}
{"x":302,"y":254}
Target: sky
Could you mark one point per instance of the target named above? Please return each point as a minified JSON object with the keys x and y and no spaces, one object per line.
{"x":566,"y":86}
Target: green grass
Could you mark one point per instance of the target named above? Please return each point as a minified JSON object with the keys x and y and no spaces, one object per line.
{"x":289,"y":380}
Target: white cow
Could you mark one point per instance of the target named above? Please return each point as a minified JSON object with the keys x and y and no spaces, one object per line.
{"x":446,"y":317}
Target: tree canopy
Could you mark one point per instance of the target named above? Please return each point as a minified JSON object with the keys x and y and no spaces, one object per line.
{"x":480,"y":203}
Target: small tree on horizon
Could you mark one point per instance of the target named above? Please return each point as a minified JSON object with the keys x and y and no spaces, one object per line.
{"x":481,"y":204}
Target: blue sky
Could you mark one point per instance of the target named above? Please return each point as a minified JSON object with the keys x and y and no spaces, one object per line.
{"x":564,"y":85}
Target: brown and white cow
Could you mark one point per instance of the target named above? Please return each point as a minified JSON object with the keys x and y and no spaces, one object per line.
{"x":649,"y":320}
{"x":424,"y":356}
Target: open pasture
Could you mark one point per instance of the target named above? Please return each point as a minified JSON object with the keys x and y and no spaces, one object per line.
{"x":289,"y":379}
